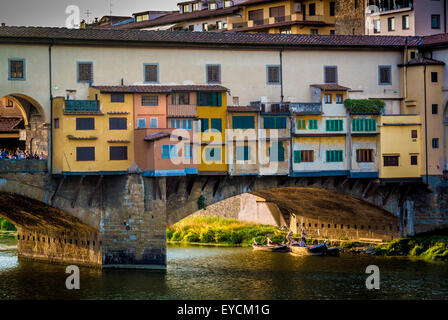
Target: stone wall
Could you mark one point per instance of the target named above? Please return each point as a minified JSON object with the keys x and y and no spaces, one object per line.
{"x":348,"y":19}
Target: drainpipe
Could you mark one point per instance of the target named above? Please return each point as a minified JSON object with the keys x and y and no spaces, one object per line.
{"x":405,"y":71}
{"x":444,"y":15}
{"x":426,"y":126}
{"x":281,"y":75}
{"x":50,"y":133}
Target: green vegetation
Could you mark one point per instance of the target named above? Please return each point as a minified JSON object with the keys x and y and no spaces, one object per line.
{"x":373,"y":106}
{"x":5,"y":225}
{"x":217,"y":230}
{"x":433,"y":247}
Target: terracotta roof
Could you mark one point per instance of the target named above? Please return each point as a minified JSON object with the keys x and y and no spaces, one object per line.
{"x":423,"y":61}
{"x":251,"y":2}
{"x":159,"y":88}
{"x":242,"y":109}
{"x":159,"y":135}
{"x":109,"y":36}
{"x":282,"y":24}
{"x":176,"y":17}
{"x":330,"y":87}
{"x":434,"y":40}
{"x":9,"y":124}
{"x":181,"y":111}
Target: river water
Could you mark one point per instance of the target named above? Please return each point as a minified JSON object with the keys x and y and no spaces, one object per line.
{"x":228,"y":273}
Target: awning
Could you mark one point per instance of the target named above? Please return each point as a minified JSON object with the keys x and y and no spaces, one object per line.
{"x":161,"y":28}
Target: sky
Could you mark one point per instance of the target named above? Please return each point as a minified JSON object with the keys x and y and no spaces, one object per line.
{"x":51,"y":13}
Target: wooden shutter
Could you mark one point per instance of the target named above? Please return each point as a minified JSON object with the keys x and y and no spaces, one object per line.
{"x":331,"y":75}
{"x":151,"y":73}
{"x":117,"y":123}
{"x":213,"y":74}
{"x":85,"y":72}
{"x":273,"y":74}
{"x":256,"y":15}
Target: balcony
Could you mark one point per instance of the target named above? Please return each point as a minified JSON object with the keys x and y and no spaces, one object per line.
{"x":81,"y":106}
{"x":391,"y":5}
{"x":305,"y":108}
{"x":274,"y":20}
{"x":271,"y":107}
{"x":181,"y":111}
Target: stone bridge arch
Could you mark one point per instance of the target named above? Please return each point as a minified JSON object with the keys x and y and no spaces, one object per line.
{"x":377,"y":209}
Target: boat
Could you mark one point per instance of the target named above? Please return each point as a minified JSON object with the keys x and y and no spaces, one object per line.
{"x":271,"y":248}
{"x":317,"y":250}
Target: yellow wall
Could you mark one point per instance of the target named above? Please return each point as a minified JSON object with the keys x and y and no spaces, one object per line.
{"x":65,"y":148}
{"x":209,"y":113}
{"x":395,"y":139}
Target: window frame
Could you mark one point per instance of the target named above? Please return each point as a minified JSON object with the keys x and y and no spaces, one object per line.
{"x":149,"y":96}
{"x":117,"y":95}
{"x":380,"y":82}
{"x":268,"y":66}
{"x":77,"y":126}
{"x":23,"y":60}
{"x":391,"y":26}
{"x":122,"y":120}
{"x":173,"y":153}
{"x":90,"y":148}
{"x":364,"y":156}
{"x":110,"y":153}
{"x":405,"y":18}
{"x":434,"y":77}
{"x":219,"y":74}
{"x":435,"y":143}
{"x":389,"y":164}
{"x":325,"y":74}
{"x":141,"y":119}
{"x":78,"y":63}
{"x":157,"y":73}
{"x":438,"y":20}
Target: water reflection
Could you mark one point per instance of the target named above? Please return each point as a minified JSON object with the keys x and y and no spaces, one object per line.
{"x":229,"y":273}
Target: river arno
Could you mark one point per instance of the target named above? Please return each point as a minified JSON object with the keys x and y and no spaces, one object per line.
{"x":228,"y":273}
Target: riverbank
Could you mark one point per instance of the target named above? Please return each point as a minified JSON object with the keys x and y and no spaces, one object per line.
{"x":430,"y":246}
{"x":220,"y":231}
{"x":5,"y":225}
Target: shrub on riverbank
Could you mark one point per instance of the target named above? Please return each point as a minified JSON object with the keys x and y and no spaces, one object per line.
{"x":427,"y":247}
{"x":5,"y":225}
{"x":222,"y":231}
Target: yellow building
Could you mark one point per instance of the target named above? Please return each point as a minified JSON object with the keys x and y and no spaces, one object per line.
{"x":400,"y":147}
{"x":290,"y":17}
{"x":212,"y":116}
{"x":93,"y":136}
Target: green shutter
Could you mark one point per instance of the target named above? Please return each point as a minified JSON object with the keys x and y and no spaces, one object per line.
{"x":312,"y":124}
{"x":204,"y":124}
{"x":217,"y":124}
{"x":199,"y":99}
{"x":297,"y":156}
{"x":243,"y":122}
{"x":219,"y":99}
{"x":269,"y":122}
{"x":281,"y":123}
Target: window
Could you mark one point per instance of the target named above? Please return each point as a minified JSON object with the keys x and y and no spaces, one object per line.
{"x":339,"y":99}
{"x":278,"y":13}
{"x":332,"y":31}
{"x":150,"y":101}
{"x":117,"y":123}
{"x":141,"y":123}
{"x":188,"y":151}
{"x":180,"y":98}
{"x":391,"y":161}
{"x":205,"y":26}
{"x":85,"y":123}
{"x":56,"y":123}
{"x":273,"y":74}
{"x":169,"y":151}
{"x":216,"y":125}
{"x":243,"y":153}
{"x":210,"y":99}
{"x":213,"y":6}
{"x":435,"y":143}
{"x":274,"y":123}
{"x":414,"y":160}
{"x":186,"y":8}
{"x":227,"y":4}
{"x":434,"y":77}
{"x":256,"y":16}
{"x":118,"y":153}
{"x":213,"y":73}
{"x":243,"y":122}
{"x":213,"y":154}
{"x":16,"y":69}
{"x":186,"y":124}
{"x":312,"y":124}
{"x":196,"y":6}
{"x":85,"y":153}
{"x":85,"y":72}
{"x":414,"y":134}
{"x":9,"y":104}
{"x":376,"y":26}
{"x":303,"y":156}
{"x":363,"y":125}
{"x":435,"y":109}
{"x":301,"y":124}
{"x":153,"y":123}
{"x":331,"y":74}
{"x":405,"y":22}
{"x":334,"y":156}
{"x":314,"y":31}
{"x":277,"y":152}
{"x":364,"y":155}
{"x":204,"y":124}
{"x":391,"y":24}
{"x":151,"y":72}
{"x":334,"y":125}
{"x":328,"y":98}
{"x":384,"y":74}
{"x":435,"y":21}
{"x":413,"y":55}
{"x":117,"y":97}
{"x":332,"y":8}
{"x":312,"y":9}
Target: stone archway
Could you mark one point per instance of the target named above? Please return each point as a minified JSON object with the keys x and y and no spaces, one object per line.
{"x":36,"y":125}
